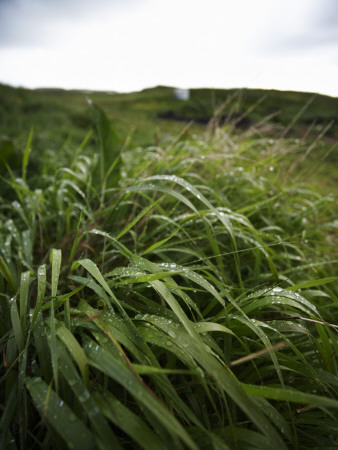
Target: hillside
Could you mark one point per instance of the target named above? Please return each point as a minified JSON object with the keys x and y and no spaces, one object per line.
{"x":151,"y":111}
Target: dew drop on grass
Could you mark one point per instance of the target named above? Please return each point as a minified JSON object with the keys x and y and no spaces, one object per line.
{"x":277,"y":289}
{"x":61,"y":403}
{"x":94,"y":411}
{"x":84,"y":396}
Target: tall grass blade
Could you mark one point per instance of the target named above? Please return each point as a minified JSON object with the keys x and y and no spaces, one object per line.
{"x":290,"y":395}
{"x":26,"y":153}
{"x":24,"y":288}
{"x":109,"y":148}
{"x":74,"y":348}
{"x":58,"y":416}
{"x":117,"y":371}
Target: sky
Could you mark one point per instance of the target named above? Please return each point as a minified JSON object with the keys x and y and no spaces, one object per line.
{"x":129,"y":45}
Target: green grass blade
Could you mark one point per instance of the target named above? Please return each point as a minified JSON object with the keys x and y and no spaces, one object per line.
{"x":24,"y":288}
{"x":59,"y":416}
{"x":56,"y":266}
{"x":312,"y":283}
{"x":42,"y":348}
{"x":137,"y":218}
{"x":290,"y":395}
{"x":110,"y":148}
{"x":95,"y":273}
{"x":53,"y":348}
{"x":25,"y":158}
{"x":129,"y":422}
{"x":105,"y":435}
{"x":74,"y":348}
{"x":16,"y":324}
{"x":7,"y":274}
{"x":119,"y":372}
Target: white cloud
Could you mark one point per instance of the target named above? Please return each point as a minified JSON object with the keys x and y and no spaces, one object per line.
{"x":140,"y":43}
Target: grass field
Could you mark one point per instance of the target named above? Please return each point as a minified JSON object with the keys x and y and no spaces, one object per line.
{"x":170,"y":287}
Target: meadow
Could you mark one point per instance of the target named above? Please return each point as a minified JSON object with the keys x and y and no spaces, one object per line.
{"x":168,"y":270}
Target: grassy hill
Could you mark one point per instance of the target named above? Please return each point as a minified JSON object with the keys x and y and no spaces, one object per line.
{"x":61,"y":118}
{"x":166,"y":284}
{"x":155,"y":110}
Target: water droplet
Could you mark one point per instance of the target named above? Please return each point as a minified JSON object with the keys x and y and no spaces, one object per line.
{"x":277,"y":289}
{"x":84,"y":396}
{"x":93,"y":411}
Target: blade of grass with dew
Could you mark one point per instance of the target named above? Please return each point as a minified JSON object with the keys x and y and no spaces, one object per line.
{"x":24,"y":288}
{"x":312,"y":283}
{"x":290,"y":395}
{"x":105,"y":436}
{"x":284,"y":296}
{"x":116,"y":330}
{"x":74,"y":348}
{"x":221,"y":216}
{"x":227,"y":382}
{"x":42,"y":348}
{"x":56,"y":266}
{"x":59,"y":416}
{"x":104,"y":361}
{"x":16,"y":324}
{"x":129,"y":422}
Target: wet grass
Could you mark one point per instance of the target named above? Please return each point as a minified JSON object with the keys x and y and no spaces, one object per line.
{"x":181,"y":295}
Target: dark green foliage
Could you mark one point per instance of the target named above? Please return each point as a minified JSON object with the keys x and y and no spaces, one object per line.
{"x":175,"y":296}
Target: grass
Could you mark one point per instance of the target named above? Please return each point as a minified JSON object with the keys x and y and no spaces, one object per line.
{"x":181,"y":295}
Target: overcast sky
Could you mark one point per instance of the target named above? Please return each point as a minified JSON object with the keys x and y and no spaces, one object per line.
{"x":127,"y":45}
